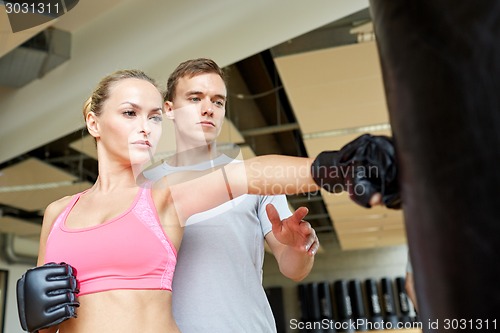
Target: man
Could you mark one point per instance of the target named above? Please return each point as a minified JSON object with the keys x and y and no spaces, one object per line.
{"x":218,"y":278}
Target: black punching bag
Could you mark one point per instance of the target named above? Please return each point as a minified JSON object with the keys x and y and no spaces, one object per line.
{"x":441,"y":69}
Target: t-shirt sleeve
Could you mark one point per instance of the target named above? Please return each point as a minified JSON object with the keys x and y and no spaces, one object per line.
{"x":281,"y":205}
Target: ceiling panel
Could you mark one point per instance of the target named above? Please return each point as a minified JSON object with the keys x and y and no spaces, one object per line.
{"x":337,"y":95}
{"x":359,"y":227}
{"x":364,"y":241}
{"x":38,"y":200}
{"x":247,"y":152}
{"x":316,"y":145}
{"x":9,"y":40}
{"x":19,"y":227}
{"x":335,"y":88}
{"x":33,"y":184}
{"x":32,"y":171}
{"x":85,"y":145}
{"x":87,"y":11}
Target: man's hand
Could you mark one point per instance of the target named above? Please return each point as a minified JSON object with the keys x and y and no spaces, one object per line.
{"x":294,"y":231}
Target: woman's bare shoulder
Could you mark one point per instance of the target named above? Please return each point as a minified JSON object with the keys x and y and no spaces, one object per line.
{"x":54,"y":209}
{"x":58,"y":205}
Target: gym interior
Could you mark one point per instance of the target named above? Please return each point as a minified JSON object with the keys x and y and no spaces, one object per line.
{"x":304,"y":77}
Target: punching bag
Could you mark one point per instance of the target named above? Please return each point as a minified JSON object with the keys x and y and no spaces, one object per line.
{"x":440,"y":63}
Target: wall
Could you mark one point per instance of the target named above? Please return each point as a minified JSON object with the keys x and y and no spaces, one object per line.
{"x":334,"y":264}
{"x":11,"y":318}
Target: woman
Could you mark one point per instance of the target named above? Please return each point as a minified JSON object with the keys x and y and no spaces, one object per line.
{"x":122,"y":234}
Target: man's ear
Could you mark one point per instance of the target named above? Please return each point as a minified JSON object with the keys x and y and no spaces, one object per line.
{"x":92,"y":124}
{"x":169,"y":110}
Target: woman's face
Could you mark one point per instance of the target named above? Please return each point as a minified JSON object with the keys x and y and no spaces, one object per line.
{"x":129,"y":126}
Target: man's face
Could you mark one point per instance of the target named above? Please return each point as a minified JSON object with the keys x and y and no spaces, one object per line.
{"x":198,"y":108}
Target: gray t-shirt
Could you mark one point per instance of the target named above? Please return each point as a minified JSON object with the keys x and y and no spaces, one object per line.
{"x":217,"y":284}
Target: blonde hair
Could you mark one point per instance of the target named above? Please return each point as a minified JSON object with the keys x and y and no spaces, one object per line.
{"x":101,"y":92}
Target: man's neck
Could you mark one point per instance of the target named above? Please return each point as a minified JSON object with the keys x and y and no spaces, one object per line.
{"x":195,"y":155}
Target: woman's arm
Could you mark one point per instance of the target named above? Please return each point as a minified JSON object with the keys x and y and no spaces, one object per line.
{"x":366,"y":168}
{"x":277,"y":174}
{"x":49,"y":218}
{"x":194,"y":192}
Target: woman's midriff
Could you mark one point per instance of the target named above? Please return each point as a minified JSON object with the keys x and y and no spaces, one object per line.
{"x":145,"y":311}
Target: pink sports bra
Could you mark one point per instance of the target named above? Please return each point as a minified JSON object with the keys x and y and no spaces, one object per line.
{"x":130,"y":251}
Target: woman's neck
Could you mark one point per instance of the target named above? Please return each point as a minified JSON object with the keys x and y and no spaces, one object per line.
{"x":117,"y":177}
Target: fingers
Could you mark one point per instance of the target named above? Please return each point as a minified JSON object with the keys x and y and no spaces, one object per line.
{"x":274,"y":218}
{"x":313,"y":245}
{"x":272,"y":214}
{"x":294,"y":231}
{"x":306,"y":229}
{"x":300,"y":213}
{"x":296,"y":217}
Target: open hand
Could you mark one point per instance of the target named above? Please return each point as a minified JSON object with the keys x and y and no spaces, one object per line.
{"x":294,"y":231}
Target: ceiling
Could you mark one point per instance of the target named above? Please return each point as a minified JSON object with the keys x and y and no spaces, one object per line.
{"x":303,"y":78}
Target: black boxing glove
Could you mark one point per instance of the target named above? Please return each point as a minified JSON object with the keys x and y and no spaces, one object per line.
{"x":363,"y":167}
{"x":46,"y":296}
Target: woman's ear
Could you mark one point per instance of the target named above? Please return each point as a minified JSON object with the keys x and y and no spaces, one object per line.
{"x":92,"y":124}
{"x":169,"y":110}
